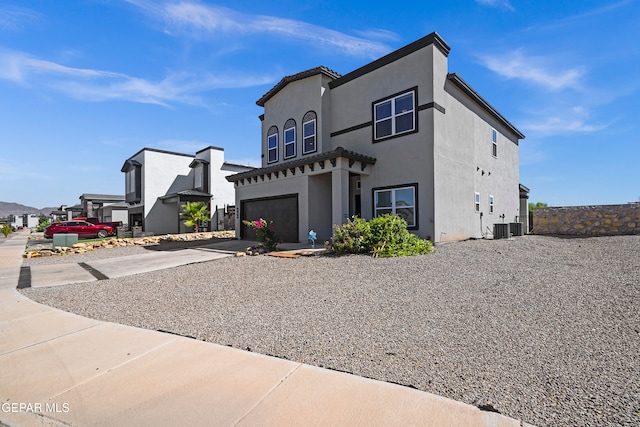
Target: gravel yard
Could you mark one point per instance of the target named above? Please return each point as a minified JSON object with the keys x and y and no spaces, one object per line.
{"x":543,"y":329}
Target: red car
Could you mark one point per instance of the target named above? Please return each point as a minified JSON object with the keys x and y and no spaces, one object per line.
{"x":81,"y":228}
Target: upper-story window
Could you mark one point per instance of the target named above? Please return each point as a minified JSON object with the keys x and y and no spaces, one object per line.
{"x":130,"y":181}
{"x":309,"y":133}
{"x":133,"y":181}
{"x":494,"y":143}
{"x":289,"y":139}
{"x":200,"y":175}
{"x":197,"y":176}
{"x":272,"y":144}
{"x":394,"y":116}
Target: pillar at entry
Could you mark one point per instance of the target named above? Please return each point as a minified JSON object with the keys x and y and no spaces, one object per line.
{"x":339,"y":195}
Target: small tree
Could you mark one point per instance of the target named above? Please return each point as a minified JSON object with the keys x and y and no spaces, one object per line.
{"x":43,"y":225}
{"x":43,"y":222}
{"x":534,"y":206}
{"x":6,"y":230}
{"x":194,"y":212}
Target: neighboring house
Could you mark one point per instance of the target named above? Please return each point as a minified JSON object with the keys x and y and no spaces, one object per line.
{"x":30,"y":220}
{"x":60,"y":215}
{"x":114,"y":212}
{"x":92,"y":204}
{"x":400,"y":135}
{"x":158,"y":183}
{"x":74,"y":211}
{"x":16,"y":221}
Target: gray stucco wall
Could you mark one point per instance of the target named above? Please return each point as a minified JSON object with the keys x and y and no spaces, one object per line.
{"x":464,"y":165}
{"x":320,"y":206}
{"x":297,"y":184}
{"x":400,"y":161}
{"x":449,"y":157}
{"x":293,"y":102}
{"x":603,"y":220}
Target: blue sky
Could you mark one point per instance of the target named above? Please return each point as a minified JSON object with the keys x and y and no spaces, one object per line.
{"x":85,"y":86}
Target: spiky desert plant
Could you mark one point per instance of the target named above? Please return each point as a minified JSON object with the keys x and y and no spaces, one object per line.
{"x":194,"y":212}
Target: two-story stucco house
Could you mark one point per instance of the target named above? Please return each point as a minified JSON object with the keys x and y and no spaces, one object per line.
{"x":400,"y":135}
{"x":158,"y":183}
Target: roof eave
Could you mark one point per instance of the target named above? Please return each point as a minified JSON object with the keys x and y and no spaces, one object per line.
{"x":295,"y":77}
{"x":469,"y":91}
{"x":338,"y":152}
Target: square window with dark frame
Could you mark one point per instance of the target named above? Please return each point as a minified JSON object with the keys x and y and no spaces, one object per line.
{"x":399,"y":201}
{"x":394,"y":116}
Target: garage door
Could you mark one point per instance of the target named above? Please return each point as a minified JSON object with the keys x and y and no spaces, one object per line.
{"x":282,"y":211}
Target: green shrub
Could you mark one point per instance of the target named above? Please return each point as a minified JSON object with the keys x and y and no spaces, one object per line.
{"x":6,"y":230}
{"x":43,"y":225}
{"x":383,"y":236}
{"x":352,"y":237}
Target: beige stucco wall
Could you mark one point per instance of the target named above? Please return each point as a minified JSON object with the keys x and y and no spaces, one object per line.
{"x":603,"y":220}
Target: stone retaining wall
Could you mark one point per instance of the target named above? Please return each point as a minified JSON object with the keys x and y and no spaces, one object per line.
{"x":604,"y":220}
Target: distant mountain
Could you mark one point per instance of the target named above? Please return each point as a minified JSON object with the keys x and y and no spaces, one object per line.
{"x":7,"y":209}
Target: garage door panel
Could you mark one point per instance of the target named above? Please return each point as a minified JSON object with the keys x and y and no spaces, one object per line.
{"x":282,"y":211}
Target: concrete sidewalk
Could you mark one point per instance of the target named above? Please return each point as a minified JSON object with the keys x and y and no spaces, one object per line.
{"x":64,"y":274}
{"x":58,"y":368}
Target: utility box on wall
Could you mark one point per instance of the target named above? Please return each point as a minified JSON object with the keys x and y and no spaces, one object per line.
{"x":65,"y":240}
{"x":500,"y":231}
{"x":516,"y":229}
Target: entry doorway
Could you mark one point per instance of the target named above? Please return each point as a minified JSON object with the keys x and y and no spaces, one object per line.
{"x":357,"y":205}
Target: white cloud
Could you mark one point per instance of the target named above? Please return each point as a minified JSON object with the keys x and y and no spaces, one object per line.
{"x":98,"y":85}
{"x":13,"y":18}
{"x":534,"y":69}
{"x":555,"y":125}
{"x":202,"y":20}
{"x":589,"y":17}
{"x":573,"y":120}
{"x":379,"y":34}
{"x":496,"y":3}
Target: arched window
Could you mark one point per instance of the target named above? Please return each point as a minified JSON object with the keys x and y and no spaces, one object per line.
{"x":309,"y":124}
{"x":289,"y":139}
{"x":272,"y":144}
